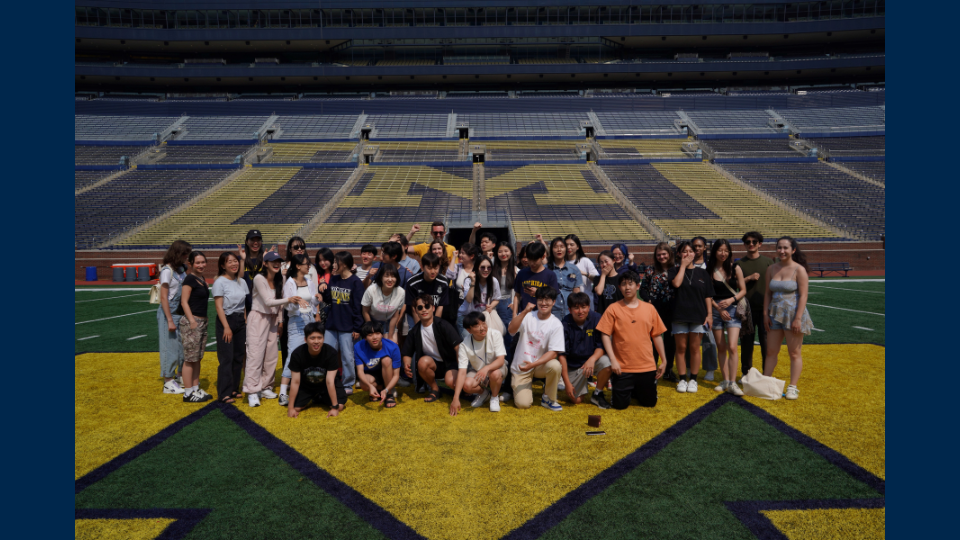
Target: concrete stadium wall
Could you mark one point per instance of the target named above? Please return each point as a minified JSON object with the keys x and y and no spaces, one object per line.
{"x":862,"y":256}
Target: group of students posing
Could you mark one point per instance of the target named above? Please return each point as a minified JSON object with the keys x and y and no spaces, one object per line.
{"x":485,"y":320}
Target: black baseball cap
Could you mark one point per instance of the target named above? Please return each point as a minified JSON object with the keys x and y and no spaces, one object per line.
{"x":254,"y":233}
{"x":272,"y":256}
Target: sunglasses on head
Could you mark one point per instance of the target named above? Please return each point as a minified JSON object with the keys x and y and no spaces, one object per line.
{"x":422,"y":307}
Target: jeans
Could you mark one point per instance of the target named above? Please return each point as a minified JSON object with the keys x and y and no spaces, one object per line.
{"x":171,"y":348}
{"x":463,"y":333}
{"x":506,"y":315}
{"x":295,"y":338}
{"x":343,"y":342}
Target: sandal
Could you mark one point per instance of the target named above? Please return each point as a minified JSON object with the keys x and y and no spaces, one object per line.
{"x":374,"y":398}
{"x":227,"y":399}
{"x":390,"y":402}
{"x":434,"y":395}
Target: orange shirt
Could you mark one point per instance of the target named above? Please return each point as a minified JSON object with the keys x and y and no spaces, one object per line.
{"x":631,"y":331}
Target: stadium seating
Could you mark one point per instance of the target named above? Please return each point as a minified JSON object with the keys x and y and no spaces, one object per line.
{"x":390,"y":199}
{"x":315,"y":127}
{"x":388,"y":126}
{"x":556,"y":200}
{"x":221,"y":128}
{"x":835,"y":120}
{"x":104,"y":155}
{"x":739,"y":121}
{"x":750,"y":147}
{"x":547,"y":61}
{"x":214,"y":220}
{"x":413,"y":151}
{"x":872,"y":169}
{"x":334,"y":152}
{"x":641,"y":148}
{"x":406,"y":62}
{"x":136,"y":197}
{"x":821,"y":191}
{"x":300,"y":198}
{"x":530,"y":150}
{"x":523,"y":125}
{"x":120,"y":128}
{"x":690,"y":199}
{"x":639,"y":123}
{"x":852,"y":146}
{"x":205,"y":153}
{"x":82,"y":179}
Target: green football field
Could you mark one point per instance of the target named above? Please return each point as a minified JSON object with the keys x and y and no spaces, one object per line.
{"x":120,"y":319}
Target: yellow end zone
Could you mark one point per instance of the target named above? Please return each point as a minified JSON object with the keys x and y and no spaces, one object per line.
{"x":120,"y":529}
{"x":830,"y":524}
{"x":512,"y":464}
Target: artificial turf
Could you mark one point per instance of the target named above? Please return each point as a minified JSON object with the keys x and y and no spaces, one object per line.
{"x":214,"y":464}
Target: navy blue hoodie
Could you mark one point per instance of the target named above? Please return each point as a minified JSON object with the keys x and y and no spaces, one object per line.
{"x":344,"y":296}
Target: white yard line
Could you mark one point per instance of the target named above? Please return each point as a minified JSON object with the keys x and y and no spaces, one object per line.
{"x":839,"y":289}
{"x":864,"y":328}
{"x":117,"y":316}
{"x":88,"y":337}
{"x":108,"y":298}
{"x":845,"y":309}
{"x":214,"y":342}
{"x":136,"y":337}
{"x":111,"y":289}
{"x":818,"y":330}
{"x":841,"y":280}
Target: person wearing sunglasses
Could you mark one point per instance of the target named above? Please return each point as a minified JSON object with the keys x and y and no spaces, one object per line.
{"x":437,"y":232}
{"x":298,"y":283}
{"x":435,"y":344}
{"x":754,"y":266}
{"x":295,"y":246}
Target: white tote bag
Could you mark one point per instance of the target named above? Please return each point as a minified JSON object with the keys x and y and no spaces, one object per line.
{"x":756,"y":384}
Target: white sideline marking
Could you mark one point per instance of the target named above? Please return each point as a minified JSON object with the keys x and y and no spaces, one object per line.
{"x":841,"y":280}
{"x":819,"y":330}
{"x":863,"y":328}
{"x":88,"y":337}
{"x":116,"y":316}
{"x":111,"y":289}
{"x":852,"y":290}
{"x":214,"y":342}
{"x":135,"y":337}
{"x":845,"y":309}
{"x":108,"y":298}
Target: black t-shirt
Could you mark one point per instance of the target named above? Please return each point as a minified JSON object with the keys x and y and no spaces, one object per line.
{"x":689,"y":299}
{"x":199,"y":295}
{"x":611,"y":292}
{"x":418,"y":285}
{"x":313,"y":369}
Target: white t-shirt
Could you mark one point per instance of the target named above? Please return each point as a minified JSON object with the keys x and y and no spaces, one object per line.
{"x":479,"y":298}
{"x":430,"y":343}
{"x":587,"y":268}
{"x":234,"y":293}
{"x":535,"y":337}
{"x":383,"y":308}
{"x":481,"y":353}
{"x":174,"y":280}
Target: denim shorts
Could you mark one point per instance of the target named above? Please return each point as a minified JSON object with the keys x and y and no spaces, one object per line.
{"x":776,"y":325}
{"x":720,"y":324}
{"x":688,"y":328}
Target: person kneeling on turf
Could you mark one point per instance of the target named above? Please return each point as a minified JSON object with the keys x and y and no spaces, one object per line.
{"x":314,"y":366}
{"x":539,"y":342}
{"x":485,"y":360}
{"x":435,"y":344}
{"x":584,"y":352}
{"x":380,"y":362}
{"x":629,"y":328}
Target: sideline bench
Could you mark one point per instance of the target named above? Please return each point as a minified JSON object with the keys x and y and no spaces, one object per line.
{"x":825,"y":268}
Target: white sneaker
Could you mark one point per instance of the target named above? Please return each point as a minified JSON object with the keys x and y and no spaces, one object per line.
{"x":561,"y":386}
{"x":793,"y":392}
{"x":284,"y":400}
{"x":253,"y":400}
{"x":171,"y":387}
{"x":691,"y":386}
{"x":506,"y":396}
{"x":721,"y":387}
{"x":202,"y":392}
{"x":734,"y":389}
{"x":180,"y":380}
{"x":494,"y":405}
{"x":481,"y":399}
{"x":547,"y":403}
{"x":682,"y":385}
{"x":268,"y":393}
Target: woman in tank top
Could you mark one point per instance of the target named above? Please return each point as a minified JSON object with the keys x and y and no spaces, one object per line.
{"x":785,"y":309}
